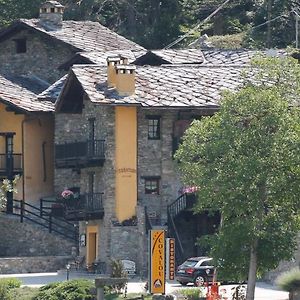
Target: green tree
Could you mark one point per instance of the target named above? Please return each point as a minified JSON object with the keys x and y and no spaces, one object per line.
{"x":7,"y":186}
{"x":280,"y":32}
{"x":246,"y":162}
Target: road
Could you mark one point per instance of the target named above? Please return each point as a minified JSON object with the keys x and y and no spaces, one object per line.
{"x":263,"y":290}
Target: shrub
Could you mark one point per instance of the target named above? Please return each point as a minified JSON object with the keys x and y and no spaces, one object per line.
{"x":117,"y":271}
{"x":67,"y":290}
{"x":11,"y":283}
{"x":289,"y":281}
{"x":23,"y":293}
{"x":193,"y":293}
{"x":6,"y":285}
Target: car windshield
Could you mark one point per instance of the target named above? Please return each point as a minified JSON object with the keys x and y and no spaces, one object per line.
{"x":189,"y":263}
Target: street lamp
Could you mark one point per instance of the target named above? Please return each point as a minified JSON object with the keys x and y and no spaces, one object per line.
{"x":68,"y":266}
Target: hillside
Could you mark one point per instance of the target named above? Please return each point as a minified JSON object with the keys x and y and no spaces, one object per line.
{"x":156,"y":23}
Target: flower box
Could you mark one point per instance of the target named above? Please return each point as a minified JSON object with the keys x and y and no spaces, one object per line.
{"x":57,"y":210}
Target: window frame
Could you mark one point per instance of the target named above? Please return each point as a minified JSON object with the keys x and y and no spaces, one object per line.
{"x":155,"y":133}
{"x":151,"y":190}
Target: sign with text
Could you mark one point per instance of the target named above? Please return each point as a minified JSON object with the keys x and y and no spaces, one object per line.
{"x":170,"y":253}
{"x":157,"y":261}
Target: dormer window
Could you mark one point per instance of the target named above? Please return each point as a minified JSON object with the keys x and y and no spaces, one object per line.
{"x":52,"y":9}
{"x":21,"y":46}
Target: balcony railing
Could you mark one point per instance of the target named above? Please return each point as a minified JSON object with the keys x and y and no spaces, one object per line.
{"x":80,"y":154}
{"x":87,"y":207}
{"x":10,"y":163}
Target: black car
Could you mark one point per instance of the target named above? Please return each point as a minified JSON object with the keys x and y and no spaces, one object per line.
{"x":197,"y":270}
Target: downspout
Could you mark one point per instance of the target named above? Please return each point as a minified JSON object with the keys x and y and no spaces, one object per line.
{"x":23,"y":149}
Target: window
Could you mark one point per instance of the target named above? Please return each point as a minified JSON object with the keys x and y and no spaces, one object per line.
{"x":21,"y":46}
{"x":153,"y":127}
{"x":152,"y":186}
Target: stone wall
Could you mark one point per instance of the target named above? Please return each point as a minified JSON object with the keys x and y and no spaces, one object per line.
{"x":155,"y":159}
{"x":284,"y":266}
{"x":28,"y":239}
{"x":74,"y":127}
{"x":41,"y":59}
{"x":16,"y":265}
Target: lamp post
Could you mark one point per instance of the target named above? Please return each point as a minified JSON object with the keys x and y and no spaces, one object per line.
{"x":68,"y":270}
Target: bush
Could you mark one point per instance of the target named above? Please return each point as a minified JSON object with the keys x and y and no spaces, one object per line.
{"x":193,"y":293}
{"x":117,"y":271}
{"x":289,"y":281}
{"x":6,"y":285}
{"x":67,"y":290}
{"x":23,"y":293}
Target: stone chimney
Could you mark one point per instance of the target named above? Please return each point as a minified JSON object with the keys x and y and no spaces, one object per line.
{"x":51,"y":14}
{"x":112,"y":62}
{"x":125,"y":83}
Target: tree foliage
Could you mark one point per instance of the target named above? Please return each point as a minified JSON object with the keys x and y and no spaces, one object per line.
{"x":246,"y":162}
{"x":156,"y":23}
{"x":7,"y":186}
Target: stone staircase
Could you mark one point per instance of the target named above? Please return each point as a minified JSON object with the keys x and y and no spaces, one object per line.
{"x":27,"y":247}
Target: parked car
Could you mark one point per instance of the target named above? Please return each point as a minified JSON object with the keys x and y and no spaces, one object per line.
{"x":197,"y":270}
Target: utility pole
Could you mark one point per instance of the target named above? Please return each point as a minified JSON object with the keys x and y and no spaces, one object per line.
{"x":297,"y":29}
{"x":269,"y":28}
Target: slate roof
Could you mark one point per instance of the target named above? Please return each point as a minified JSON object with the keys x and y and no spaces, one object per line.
{"x":164,"y":86}
{"x":82,"y":35}
{"x":180,"y":56}
{"x":211,"y":57}
{"x":236,"y":57}
{"x":53,"y":91}
{"x":13,"y":94}
{"x":99,"y":58}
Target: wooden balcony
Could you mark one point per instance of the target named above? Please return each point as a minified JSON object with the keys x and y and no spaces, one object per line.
{"x":87,"y":207}
{"x":80,"y":154}
{"x":10,"y":164}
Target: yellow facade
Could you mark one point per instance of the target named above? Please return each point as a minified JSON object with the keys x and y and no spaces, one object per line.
{"x":126,"y":162}
{"x":33,"y":138}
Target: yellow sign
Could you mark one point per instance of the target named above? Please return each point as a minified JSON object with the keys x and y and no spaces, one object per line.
{"x":157,"y":261}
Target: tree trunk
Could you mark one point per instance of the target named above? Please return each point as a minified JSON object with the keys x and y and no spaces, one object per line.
{"x":252,"y":272}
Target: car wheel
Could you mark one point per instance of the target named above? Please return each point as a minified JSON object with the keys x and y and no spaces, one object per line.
{"x":199,"y":281}
{"x":183,"y":283}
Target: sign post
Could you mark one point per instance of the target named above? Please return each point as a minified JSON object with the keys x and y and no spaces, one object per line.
{"x":157,"y":262}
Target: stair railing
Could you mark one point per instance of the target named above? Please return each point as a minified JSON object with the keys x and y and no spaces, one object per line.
{"x":172,"y":232}
{"x":178,"y":205}
{"x":53,"y":224}
{"x":183,"y":202}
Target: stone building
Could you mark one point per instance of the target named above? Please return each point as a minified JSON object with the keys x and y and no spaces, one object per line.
{"x":116,"y":129}
{"x":32,"y":53}
{"x":126,"y":122}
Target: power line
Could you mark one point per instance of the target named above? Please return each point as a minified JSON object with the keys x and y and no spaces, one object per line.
{"x":197,"y":26}
{"x":264,"y":23}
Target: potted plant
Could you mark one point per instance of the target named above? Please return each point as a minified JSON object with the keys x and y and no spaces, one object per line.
{"x":290,"y":282}
{"x":70,"y":198}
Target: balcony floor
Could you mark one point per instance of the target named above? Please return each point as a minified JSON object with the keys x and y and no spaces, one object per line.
{"x":81,"y":215}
